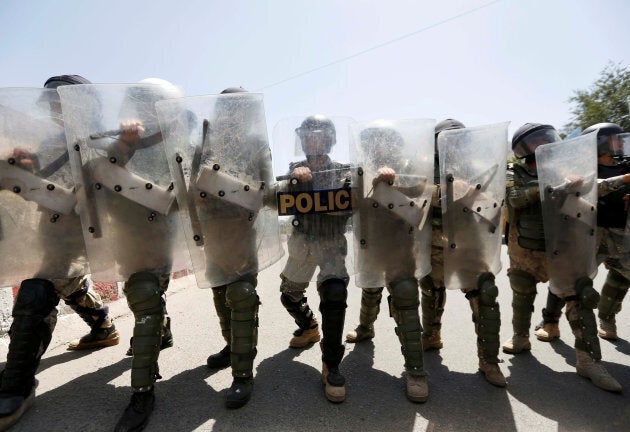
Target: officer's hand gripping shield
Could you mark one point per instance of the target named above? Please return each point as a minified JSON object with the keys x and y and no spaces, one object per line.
{"x":39,"y":229}
{"x":218,"y":153}
{"x":127,"y":204}
{"x":315,"y":211}
{"x":567,"y":173}
{"x":391,"y":237}
{"x":472,"y":181}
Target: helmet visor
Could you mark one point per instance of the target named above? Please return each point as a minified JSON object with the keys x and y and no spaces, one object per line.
{"x":528,"y":145}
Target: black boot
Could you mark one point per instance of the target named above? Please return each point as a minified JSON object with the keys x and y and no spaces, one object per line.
{"x":137,"y":413}
{"x":221,"y":359}
{"x":240,"y":392}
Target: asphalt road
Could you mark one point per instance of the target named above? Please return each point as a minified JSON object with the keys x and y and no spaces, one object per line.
{"x":88,"y":391}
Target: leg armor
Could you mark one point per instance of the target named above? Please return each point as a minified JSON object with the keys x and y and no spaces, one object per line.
{"x":82,"y":302}
{"x":523,"y":295}
{"x":223,"y":311}
{"x":403,"y":305}
{"x":243,"y":302}
{"x":298,"y":309}
{"x":30,"y":335}
{"x":553,"y":309}
{"x":613,"y":292}
{"x":333,"y":294}
{"x":144,"y":299}
{"x":370,"y":306}
{"x":487,"y":317}
{"x":433,"y":300}
{"x":582,"y":318}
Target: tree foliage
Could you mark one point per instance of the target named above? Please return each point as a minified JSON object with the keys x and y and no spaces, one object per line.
{"x":605,"y":101}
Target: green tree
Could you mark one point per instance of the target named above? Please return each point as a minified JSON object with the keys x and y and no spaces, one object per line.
{"x":605,"y":101}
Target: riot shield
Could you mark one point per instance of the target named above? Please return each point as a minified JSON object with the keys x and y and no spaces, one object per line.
{"x":394,"y":182}
{"x":218,"y":153}
{"x":127,"y":204}
{"x":567,"y":174}
{"x":315,"y":210}
{"x":472,"y":180}
{"x":39,"y":229}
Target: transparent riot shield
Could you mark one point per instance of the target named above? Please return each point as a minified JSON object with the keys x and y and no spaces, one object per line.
{"x":472,"y":180}
{"x":315,"y":195}
{"x":40,"y":233}
{"x":394,"y":182}
{"x":127,"y":204}
{"x":567,"y":174}
{"x":220,"y":159}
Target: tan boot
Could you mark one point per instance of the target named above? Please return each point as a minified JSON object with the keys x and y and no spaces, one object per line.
{"x":102,"y":337}
{"x":304,"y":337}
{"x":492,"y":373}
{"x":595,"y":371}
{"x":517,"y":344}
{"x":607,"y":329}
{"x":359,"y":334}
{"x":417,"y":388}
{"x":335,"y":384}
{"x":548,"y":332}
{"x":432,"y":341}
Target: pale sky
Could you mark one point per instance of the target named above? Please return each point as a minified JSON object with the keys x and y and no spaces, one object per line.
{"x":480,"y":61}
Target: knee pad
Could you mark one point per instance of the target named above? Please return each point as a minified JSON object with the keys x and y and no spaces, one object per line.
{"x":586,"y":294}
{"x":488,"y":291}
{"x":427,"y":286}
{"x":333,"y":292}
{"x":405,"y":294}
{"x":522,"y":282}
{"x":292,"y":299}
{"x":241,"y":295}
{"x":143,"y":294}
{"x":36,"y":297}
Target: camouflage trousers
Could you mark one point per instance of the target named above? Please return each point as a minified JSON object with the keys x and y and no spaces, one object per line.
{"x":531,"y":261}
{"x":611,"y":250}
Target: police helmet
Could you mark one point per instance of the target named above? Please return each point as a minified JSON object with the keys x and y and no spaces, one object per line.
{"x":531,"y":135}
{"x":318,"y":125}
{"x":608,"y":141}
{"x":61,"y":80}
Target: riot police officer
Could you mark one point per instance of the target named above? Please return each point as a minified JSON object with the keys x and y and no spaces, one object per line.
{"x":318,"y":240}
{"x":392,"y":239}
{"x":526,"y":238}
{"x":58,"y":265}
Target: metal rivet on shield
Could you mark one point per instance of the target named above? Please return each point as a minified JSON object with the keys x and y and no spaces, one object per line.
{"x":221,"y":193}
{"x":112,"y":159}
{"x":98,"y":186}
{"x":153,"y":214}
{"x":495,"y":205}
{"x":117,"y":188}
{"x":148,"y":186}
{"x":592,"y":209}
{"x":262,"y":185}
{"x":196,"y":237}
{"x":216,"y":167}
{"x":549,"y":189}
{"x":50,"y":187}
{"x":246,"y":188}
{"x":465,"y":209}
{"x":178,"y":159}
{"x":565,"y":217}
{"x":295,"y":222}
{"x":493,"y":230}
{"x":577,"y":194}
{"x":11,"y":161}
{"x":592,"y":232}
{"x":478,"y":209}
{"x":478,"y":186}
{"x":390,"y":182}
{"x":171,"y":186}
{"x":390,"y":206}
{"x":203,"y":194}
{"x":360,"y":171}
{"x":453,"y":246}
{"x":150,"y":218}
{"x":17,"y":189}
{"x":579,"y":215}
{"x":450,"y":178}
{"x":411,"y":203}
{"x":91,"y":230}
{"x":251,"y":217}
{"x":375,"y":205}
{"x":77,"y":147}
{"x":294,"y":181}
{"x":363,"y":242}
